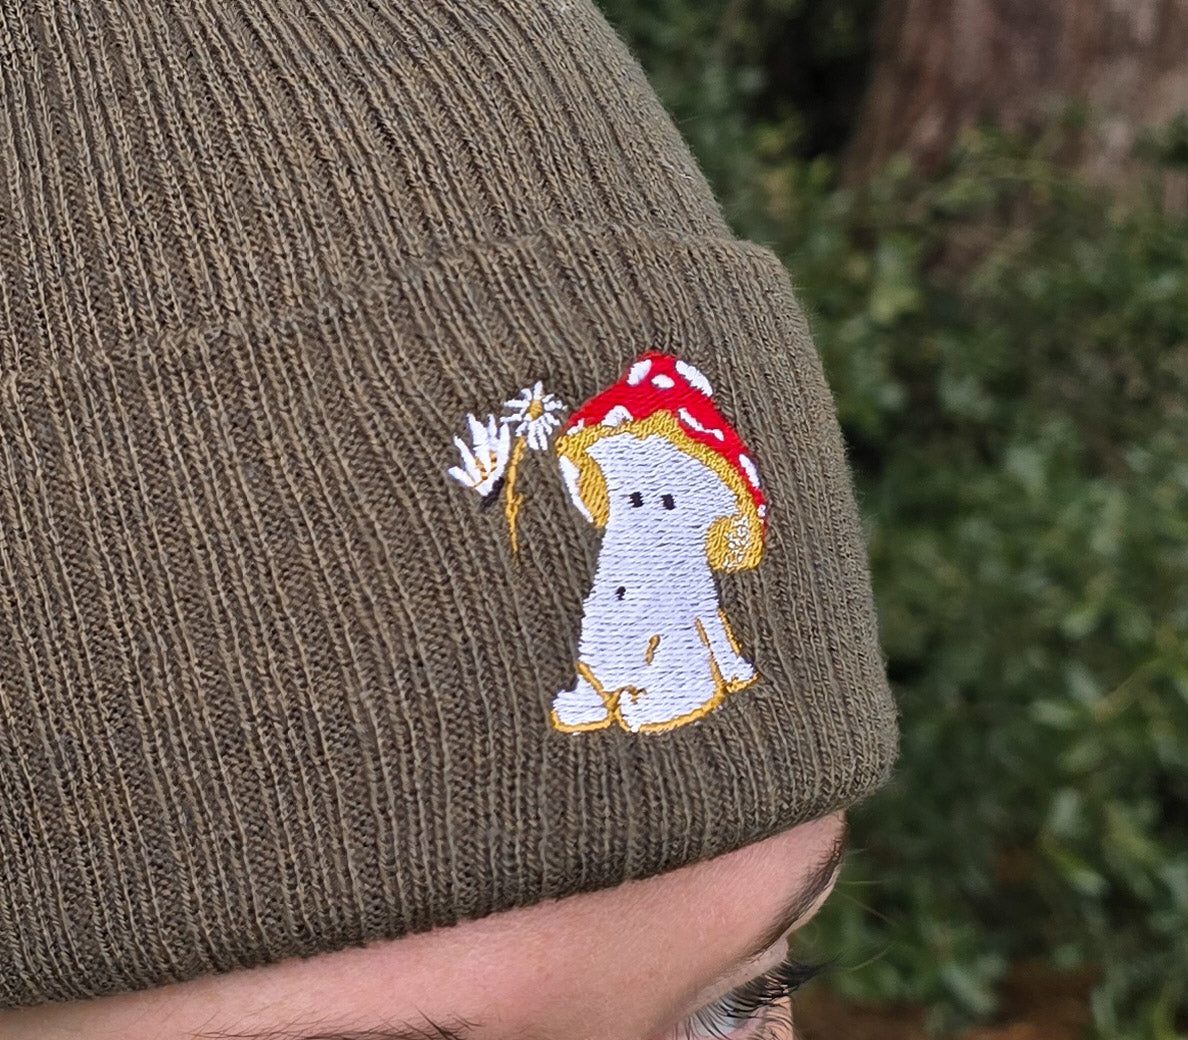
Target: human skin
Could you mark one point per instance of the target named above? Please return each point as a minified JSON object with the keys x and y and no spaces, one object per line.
{"x":627,"y":963}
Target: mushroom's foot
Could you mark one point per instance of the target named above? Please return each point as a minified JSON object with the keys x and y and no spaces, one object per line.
{"x":742,"y":673}
{"x":651,"y":711}
{"x":582,"y":708}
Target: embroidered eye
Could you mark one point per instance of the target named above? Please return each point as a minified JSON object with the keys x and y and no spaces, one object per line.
{"x":667,"y":502}
{"x":620,"y":592}
{"x":636,"y":498}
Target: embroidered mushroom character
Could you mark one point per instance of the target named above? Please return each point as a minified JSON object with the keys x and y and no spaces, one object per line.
{"x":652,"y":462}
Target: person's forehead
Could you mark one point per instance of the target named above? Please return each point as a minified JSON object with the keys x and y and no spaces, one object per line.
{"x":608,"y":963}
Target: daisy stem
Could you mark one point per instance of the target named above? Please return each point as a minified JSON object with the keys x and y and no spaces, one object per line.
{"x":512,"y":504}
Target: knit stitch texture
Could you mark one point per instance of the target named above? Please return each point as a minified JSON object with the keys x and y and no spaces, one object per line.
{"x":271,"y":683}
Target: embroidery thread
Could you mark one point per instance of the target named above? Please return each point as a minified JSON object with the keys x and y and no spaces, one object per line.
{"x":652,"y":462}
{"x":490,"y":463}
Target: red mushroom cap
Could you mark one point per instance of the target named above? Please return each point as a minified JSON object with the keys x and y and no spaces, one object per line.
{"x":660,"y":393}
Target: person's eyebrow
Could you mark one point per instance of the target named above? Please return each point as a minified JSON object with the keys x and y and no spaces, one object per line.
{"x":803,"y":899}
{"x":797,"y":906}
{"x":425,"y":1031}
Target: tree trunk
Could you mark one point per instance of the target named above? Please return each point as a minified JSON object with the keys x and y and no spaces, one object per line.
{"x":942,"y":65}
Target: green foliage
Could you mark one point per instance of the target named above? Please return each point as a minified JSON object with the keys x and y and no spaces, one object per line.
{"x":1008,"y":347}
{"x":720,"y":65}
{"x":1009,"y":352}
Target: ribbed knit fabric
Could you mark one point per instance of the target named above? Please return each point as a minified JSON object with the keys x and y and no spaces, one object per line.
{"x":271,"y":682}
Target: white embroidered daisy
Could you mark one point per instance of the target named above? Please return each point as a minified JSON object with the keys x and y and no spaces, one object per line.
{"x":533,"y":413}
{"x":484,"y":462}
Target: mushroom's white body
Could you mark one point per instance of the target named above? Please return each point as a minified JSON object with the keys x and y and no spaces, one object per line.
{"x":654,"y":648}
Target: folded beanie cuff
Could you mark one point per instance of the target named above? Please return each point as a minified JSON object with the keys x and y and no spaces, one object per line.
{"x":274,"y":682}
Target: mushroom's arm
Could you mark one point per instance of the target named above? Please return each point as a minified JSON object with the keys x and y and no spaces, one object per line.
{"x":715,"y":631}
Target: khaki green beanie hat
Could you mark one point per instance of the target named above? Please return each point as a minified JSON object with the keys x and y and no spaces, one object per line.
{"x":414,"y":502}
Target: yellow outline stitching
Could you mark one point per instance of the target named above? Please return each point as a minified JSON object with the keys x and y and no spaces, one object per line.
{"x":576,"y":444}
{"x":581,"y":727}
{"x":610,"y":701}
{"x":721,"y":688}
{"x":729,"y":632}
{"x":650,"y":652}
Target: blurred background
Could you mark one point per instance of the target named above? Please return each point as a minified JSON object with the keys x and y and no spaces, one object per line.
{"x":984,"y":206}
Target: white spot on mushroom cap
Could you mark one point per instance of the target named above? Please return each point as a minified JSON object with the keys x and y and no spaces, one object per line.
{"x":638,"y":371}
{"x":749,"y":466}
{"x":663,"y":381}
{"x":617,"y":416}
{"x":695,"y":377}
{"x":688,"y":418}
{"x":761,"y":510}
{"x":737,"y":537}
